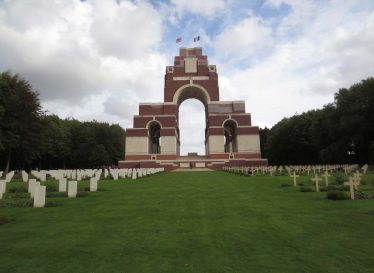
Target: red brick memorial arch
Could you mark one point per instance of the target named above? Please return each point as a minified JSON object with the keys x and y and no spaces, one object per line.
{"x":230,"y":138}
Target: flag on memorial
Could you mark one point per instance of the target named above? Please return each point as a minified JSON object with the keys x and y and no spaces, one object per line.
{"x":178,"y":40}
{"x":195,"y":39}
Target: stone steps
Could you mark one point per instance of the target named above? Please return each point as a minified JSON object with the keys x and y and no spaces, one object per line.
{"x":192,"y":170}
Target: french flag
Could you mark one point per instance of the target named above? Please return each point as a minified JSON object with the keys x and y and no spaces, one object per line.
{"x":195,"y":39}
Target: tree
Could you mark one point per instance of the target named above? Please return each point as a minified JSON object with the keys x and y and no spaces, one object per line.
{"x":20,"y":125}
{"x":264,"y":134}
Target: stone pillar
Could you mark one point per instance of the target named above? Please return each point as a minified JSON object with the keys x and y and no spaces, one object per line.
{"x":72,"y":189}
{"x":39,"y":196}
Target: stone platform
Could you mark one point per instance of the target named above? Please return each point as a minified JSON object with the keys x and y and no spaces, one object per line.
{"x":191,"y":163}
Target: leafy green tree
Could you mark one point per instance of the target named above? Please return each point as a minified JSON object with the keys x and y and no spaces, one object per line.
{"x":20,"y":121}
{"x":355,"y":108}
{"x":264,"y":133}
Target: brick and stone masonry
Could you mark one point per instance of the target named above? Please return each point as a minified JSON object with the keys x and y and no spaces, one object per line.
{"x":230,"y":138}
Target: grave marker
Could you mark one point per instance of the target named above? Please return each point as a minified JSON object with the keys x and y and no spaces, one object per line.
{"x":317,"y":179}
{"x":31,"y":187}
{"x":39,"y":196}
{"x":326,"y":176}
{"x":93,"y":184}
{"x":133,"y":174}
{"x":62,"y":185}
{"x":2,"y":188}
{"x":72,"y":189}
{"x":352,"y":183}
{"x":294,"y":176}
{"x":365,"y":168}
{"x":25,"y":176}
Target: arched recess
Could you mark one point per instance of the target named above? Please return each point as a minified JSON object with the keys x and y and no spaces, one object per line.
{"x":230,"y":127}
{"x":154,"y":128}
{"x":191,"y":91}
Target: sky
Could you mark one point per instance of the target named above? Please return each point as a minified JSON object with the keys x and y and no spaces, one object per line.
{"x":98,"y":59}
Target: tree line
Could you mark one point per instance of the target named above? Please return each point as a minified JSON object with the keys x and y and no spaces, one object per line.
{"x":29,"y":138}
{"x":340,"y":132}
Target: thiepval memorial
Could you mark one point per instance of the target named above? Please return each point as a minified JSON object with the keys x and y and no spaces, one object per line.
{"x":230,"y":138}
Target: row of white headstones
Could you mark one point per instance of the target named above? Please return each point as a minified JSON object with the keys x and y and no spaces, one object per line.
{"x":353,"y":183}
{"x":38,"y":191}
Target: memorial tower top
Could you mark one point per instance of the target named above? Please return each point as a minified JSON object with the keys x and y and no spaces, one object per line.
{"x":191,"y":77}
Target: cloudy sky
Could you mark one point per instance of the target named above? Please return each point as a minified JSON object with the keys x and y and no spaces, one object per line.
{"x":88,"y":59}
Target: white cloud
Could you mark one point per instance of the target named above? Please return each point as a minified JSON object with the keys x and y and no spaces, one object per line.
{"x":73,"y":52}
{"x":210,"y":8}
{"x":126,"y":30}
{"x":302,"y":72}
{"x":247,"y":35}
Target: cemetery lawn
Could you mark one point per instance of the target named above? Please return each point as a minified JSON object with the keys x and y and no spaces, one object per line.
{"x":191,"y":222}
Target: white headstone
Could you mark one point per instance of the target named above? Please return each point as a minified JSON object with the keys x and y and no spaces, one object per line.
{"x":9,"y":176}
{"x":79,"y":176}
{"x":25,"y":176}
{"x":93,"y":184}
{"x":62,"y":185}
{"x":32,"y":185}
{"x":2,"y":188}
{"x":43,"y":176}
{"x":133,"y":174}
{"x":39,"y":196}
{"x":115,"y":175}
{"x":72,"y":189}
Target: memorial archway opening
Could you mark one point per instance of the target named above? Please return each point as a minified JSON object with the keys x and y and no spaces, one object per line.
{"x":192,"y":127}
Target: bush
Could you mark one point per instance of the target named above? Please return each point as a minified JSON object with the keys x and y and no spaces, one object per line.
{"x":51,"y":187}
{"x":286,"y":185}
{"x":17,"y":203}
{"x":363,"y":195}
{"x":4,"y":219}
{"x":337,"y":195}
{"x":340,"y":178}
{"x":344,"y":188}
{"x":367,"y":180}
{"x":56,"y":194}
{"x":306,"y":189}
{"x":333,"y":187}
{"x":16,"y":195}
{"x":300,"y":184}
{"x":87,"y":189}
{"x":82,"y":194}
{"x":50,"y":204}
{"x":19,"y":189}
{"x":323,"y":189}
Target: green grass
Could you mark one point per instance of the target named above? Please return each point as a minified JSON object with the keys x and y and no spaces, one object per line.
{"x":191,"y":222}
